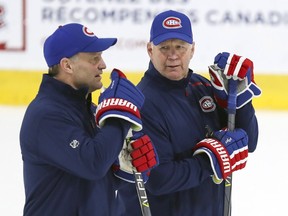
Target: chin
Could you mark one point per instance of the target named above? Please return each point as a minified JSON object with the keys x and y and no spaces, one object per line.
{"x":95,"y":88}
{"x":174,"y":77}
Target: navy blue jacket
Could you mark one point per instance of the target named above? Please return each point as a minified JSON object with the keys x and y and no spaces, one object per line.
{"x":66,"y":158}
{"x":175,"y":114}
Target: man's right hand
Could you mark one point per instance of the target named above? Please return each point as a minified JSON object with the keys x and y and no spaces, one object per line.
{"x":230,"y":66}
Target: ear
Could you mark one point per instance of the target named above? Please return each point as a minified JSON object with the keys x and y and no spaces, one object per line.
{"x":65,"y":65}
{"x":192,"y":50}
{"x":149,"y":48}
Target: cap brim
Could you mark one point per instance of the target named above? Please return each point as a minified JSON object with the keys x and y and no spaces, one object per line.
{"x":172,"y":35}
{"x":100,"y":44}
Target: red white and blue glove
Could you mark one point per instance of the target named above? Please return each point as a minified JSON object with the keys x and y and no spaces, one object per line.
{"x":137,"y":155}
{"x":230,"y":66}
{"x":227,"y":152}
{"x":122,"y":99}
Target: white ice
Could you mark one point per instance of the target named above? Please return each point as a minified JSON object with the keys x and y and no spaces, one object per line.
{"x":259,"y":189}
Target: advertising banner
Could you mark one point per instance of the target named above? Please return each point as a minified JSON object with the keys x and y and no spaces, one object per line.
{"x":256,"y":29}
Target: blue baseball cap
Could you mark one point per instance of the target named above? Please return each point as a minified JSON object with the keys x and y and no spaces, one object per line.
{"x":71,"y":39}
{"x":171,"y":25}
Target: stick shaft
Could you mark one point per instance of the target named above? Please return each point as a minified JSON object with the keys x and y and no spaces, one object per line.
{"x":142,"y":196}
{"x":231,"y":107}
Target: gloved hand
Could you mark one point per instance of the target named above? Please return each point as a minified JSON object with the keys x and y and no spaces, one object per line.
{"x":122,"y":99}
{"x":227,"y":66}
{"x":227,"y":152}
{"x":137,"y":155}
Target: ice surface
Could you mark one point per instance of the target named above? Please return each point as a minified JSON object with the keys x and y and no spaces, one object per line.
{"x":259,"y":189}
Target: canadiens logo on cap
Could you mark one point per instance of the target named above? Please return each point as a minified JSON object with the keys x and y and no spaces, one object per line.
{"x":172,"y":23}
{"x":87,"y":32}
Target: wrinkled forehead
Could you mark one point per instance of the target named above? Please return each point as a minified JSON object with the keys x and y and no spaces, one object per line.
{"x":174,"y":42}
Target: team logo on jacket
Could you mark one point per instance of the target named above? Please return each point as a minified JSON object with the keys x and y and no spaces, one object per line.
{"x":74,"y":144}
{"x":172,"y":23}
{"x":207,"y":104}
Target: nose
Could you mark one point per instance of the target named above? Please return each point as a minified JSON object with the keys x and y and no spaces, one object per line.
{"x":102,"y":64}
{"x":173,"y":54}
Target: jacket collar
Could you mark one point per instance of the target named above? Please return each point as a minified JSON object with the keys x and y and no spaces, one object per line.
{"x":58,"y":89}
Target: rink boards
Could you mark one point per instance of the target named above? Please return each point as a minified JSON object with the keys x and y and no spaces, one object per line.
{"x":20,"y":87}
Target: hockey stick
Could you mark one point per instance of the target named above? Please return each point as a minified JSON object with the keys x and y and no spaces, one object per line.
{"x":231,"y":107}
{"x":142,"y":196}
{"x":140,"y":187}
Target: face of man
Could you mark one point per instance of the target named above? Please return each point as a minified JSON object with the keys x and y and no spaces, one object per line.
{"x":85,"y":70}
{"x":171,"y":58}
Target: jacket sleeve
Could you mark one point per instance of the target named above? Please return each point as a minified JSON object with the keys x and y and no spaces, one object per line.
{"x":246,"y":119}
{"x":57,"y":140}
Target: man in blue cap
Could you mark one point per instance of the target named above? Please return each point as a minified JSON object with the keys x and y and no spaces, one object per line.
{"x":68,"y":146}
{"x":185,"y":115}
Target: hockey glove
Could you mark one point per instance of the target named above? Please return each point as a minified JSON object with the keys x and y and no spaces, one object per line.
{"x":122,"y":100}
{"x":137,"y":155}
{"x":227,"y":152}
{"x":227,"y":66}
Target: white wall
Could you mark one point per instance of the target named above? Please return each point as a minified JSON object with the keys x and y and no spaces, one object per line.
{"x":256,"y":29}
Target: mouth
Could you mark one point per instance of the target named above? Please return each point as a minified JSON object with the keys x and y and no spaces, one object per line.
{"x":173,"y":66}
{"x":99,"y":74}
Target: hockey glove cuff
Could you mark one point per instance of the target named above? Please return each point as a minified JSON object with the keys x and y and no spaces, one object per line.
{"x":227,"y":152}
